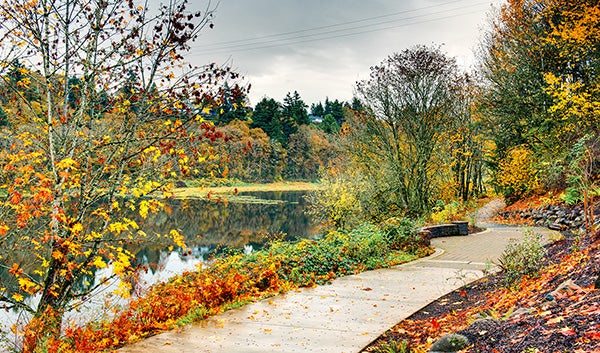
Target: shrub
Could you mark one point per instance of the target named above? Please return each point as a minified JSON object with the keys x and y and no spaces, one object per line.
{"x":401,"y":234}
{"x":522,"y":258}
{"x":392,"y":347}
{"x":336,"y":203}
{"x":453,"y":211}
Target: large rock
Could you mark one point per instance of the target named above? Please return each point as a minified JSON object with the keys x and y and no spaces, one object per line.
{"x":450,"y":343}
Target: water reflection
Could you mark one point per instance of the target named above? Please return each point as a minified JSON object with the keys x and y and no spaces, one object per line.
{"x":236,"y":224}
{"x":207,"y":226}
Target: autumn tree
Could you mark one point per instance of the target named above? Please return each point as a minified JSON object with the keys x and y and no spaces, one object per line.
{"x":247,"y":154}
{"x":467,"y":142}
{"x":407,"y":99}
{"x":540,"y":68}
{"x":513,"y":59}
{"x":309,"y":152}
{"x":85,"y":147}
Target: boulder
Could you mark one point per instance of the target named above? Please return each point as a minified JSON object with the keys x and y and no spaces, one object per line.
{"x":450,"y":343}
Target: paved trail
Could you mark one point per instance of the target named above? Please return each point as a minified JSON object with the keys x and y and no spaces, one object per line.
{"x":347,"y":315}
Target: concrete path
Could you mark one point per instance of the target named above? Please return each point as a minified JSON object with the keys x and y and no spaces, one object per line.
{"x":342,"y":317}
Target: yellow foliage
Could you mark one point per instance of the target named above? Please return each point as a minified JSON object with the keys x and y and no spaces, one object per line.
{"x":18,"y":297}
{"x":178,"y":239}
{"x":99,"y":262}
{"x":516,"y":174}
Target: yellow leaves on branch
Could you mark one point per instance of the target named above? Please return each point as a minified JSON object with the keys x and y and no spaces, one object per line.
{"x":99,"y":262}
{"x":517,"y":172}
{"x":146,"y":206}
{"x":122,"y":226}
{"x":18,"y":297}
{"x":28,"y":286}
{"x":122,"y":262}
{"x":143,"y":188}
{"x":178,"y":239}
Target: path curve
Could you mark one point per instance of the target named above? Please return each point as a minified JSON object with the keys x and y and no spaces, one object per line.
{"x":345,"y":316}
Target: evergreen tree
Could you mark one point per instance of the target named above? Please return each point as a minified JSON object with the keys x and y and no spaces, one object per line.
{"x":335,"y":108}
{"x":356,"y":105}
{"x":294,"y":107}
{"x":317,"y":110}
{"x":329,"y":124}
{"x":74,"y":94}
{"x":233,"y":105}
{"x":267,"y":116}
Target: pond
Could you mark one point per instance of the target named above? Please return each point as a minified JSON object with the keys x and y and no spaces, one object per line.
{"x":247,"y":221}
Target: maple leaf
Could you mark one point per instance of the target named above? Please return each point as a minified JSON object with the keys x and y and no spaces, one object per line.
{"x":435,"y":324}
{"x":567,"y":331}
{"x":555,"y":320}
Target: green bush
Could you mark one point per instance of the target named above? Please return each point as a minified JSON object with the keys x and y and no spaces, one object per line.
{"x":336,"y":254}
{"x":367,"y":245}
{"x":401,"y":234}
{"x":522,"y":258}
{"x":392,"y":347}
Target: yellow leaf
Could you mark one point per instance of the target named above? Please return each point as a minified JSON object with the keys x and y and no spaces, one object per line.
{"x":77,"y":228}
{"x":99,"y":263}
{"x":18,"y":297}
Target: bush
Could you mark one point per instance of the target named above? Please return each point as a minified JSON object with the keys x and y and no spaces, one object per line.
{"x":401,"y":234}
{"x":336,"y":254}
{"x":449,"y":212}
{"x":392,"y":347}
{"x":522,"y":258}
{"x":336,"y":203}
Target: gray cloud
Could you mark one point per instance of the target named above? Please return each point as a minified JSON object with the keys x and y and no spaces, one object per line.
{"x":318,"y":67}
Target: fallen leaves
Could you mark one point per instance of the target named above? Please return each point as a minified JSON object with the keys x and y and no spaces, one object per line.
{"x":569,"y":320}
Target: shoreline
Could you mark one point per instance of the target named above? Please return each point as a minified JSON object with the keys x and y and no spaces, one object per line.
{"x":203,"y":191}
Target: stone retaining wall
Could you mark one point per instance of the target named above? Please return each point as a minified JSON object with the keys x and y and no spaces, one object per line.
{"x":446,"y":230}
{"x":556,"y":217}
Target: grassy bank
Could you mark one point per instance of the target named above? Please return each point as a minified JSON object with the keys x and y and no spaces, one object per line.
{"x":205,"y":191}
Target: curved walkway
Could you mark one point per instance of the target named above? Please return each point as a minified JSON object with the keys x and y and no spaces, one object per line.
{"x":345,"y":316}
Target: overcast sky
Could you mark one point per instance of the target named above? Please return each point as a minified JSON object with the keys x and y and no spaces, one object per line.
{"x":322,"y":47}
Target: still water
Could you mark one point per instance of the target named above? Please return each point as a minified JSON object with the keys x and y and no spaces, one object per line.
{"x":246,"y":222}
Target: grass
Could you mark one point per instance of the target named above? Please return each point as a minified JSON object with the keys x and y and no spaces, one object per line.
{"x":229,"y":191}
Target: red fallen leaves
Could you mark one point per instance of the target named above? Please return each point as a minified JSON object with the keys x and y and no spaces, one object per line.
{"x":193,"y":293}
{"x":570,"y":322}
{"x":435,"y":325}
{"x":593,"y":335}
{"x":567,"y":331}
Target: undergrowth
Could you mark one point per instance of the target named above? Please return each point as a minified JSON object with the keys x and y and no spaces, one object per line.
{"x":231,"y":281}
{"x":522,"y":258}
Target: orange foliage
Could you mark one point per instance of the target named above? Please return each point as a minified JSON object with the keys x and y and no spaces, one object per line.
{"x":167,"y":303}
